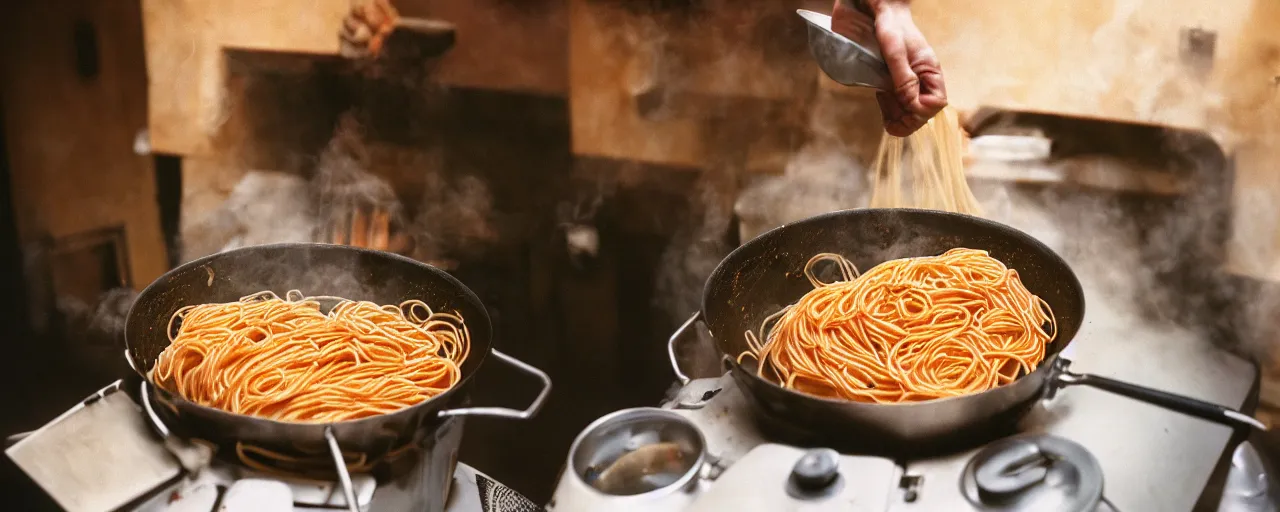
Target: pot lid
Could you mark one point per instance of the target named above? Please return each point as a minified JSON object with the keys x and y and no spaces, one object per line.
{"x":1033,"y":472}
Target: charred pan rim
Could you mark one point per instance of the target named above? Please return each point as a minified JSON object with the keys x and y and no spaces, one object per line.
{"x":741,"y":252}
{"x":442,"y":397}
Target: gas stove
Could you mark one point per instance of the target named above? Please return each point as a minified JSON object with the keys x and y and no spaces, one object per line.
{"x":76,"y":459}
{"x":1082,"y":450}
{"x":227,"y":489}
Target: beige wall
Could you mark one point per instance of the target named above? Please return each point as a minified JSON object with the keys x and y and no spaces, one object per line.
{"x":70,"y":141}
{"x":1119,"y":59}
{"x":1115,"y":59}
{"x":1254,"y":107}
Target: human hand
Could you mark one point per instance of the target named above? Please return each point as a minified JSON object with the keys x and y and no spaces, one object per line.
{"x":365,"y":27}
{"x":919,"y":91}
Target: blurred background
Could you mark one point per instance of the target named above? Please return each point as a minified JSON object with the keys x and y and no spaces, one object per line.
{"x":584,"y":164}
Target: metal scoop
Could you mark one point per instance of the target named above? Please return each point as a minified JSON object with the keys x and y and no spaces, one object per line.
{"x":848,"y":62}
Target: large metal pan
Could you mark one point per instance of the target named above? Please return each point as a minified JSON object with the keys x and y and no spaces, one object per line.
{"x":765,"y":274}
{"x":315,"y":269}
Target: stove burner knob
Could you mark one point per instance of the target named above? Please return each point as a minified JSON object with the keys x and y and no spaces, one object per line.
{"x":816,"y":470}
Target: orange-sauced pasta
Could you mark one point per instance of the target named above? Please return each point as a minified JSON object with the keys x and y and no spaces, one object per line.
{"x":285,"y":359}
{"x":907,"y":330}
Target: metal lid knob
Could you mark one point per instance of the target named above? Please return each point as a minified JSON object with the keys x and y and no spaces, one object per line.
{"x":1012,"y":470}
{"x":1033,"y":472}
{"x":816,"y":470}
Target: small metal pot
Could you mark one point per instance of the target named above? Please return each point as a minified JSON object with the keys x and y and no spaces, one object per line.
{"x":635,"y":459}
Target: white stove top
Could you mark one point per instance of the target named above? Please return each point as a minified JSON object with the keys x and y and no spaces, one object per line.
{"x":1151,"y":459}
{"x":219,"y":489}
{"x":78,"y":458}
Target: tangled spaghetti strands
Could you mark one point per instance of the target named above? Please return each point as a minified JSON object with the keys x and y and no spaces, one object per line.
{"x":907,"y":330}
{"x":935,"y":175}
{"x":284,"y":359}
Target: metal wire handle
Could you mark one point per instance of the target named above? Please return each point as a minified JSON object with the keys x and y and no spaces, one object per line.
{"x":156,"y":422}
{"x":671,"y":347}
{"x":504,"y":412}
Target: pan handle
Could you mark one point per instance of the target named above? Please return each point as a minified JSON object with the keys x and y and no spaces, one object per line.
{"x":503,"y":412}
{"x":1177,"y":403}
{"x":671,"y":346}
{"x":340,"y":466}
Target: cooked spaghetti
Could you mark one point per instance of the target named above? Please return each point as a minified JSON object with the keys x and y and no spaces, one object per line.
{"x":286,"y":359}
{"x":907,"y":330}
{"x":936,"y":156}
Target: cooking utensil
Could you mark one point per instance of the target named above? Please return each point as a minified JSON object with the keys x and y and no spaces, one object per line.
{"x":848,"y":62}
{"x":765,"y":274}
{"x":317,"y":269}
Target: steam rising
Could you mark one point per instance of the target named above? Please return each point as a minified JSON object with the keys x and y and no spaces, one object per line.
{"x":264,"y":207}
{"x":344,"y":195}
{"x":455,"y":217}
{"x":693,"y":253}
{"x":342,"y":180}
{"x":817,"y":180}
{"x":96,"y":332}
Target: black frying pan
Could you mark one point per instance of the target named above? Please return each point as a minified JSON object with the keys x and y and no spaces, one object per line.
{"x":765,"y":274}
{"x":315,"y":269}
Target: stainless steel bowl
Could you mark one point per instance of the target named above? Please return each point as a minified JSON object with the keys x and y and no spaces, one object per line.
{"x":848,"y":62}
{"x":641,"y":453}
